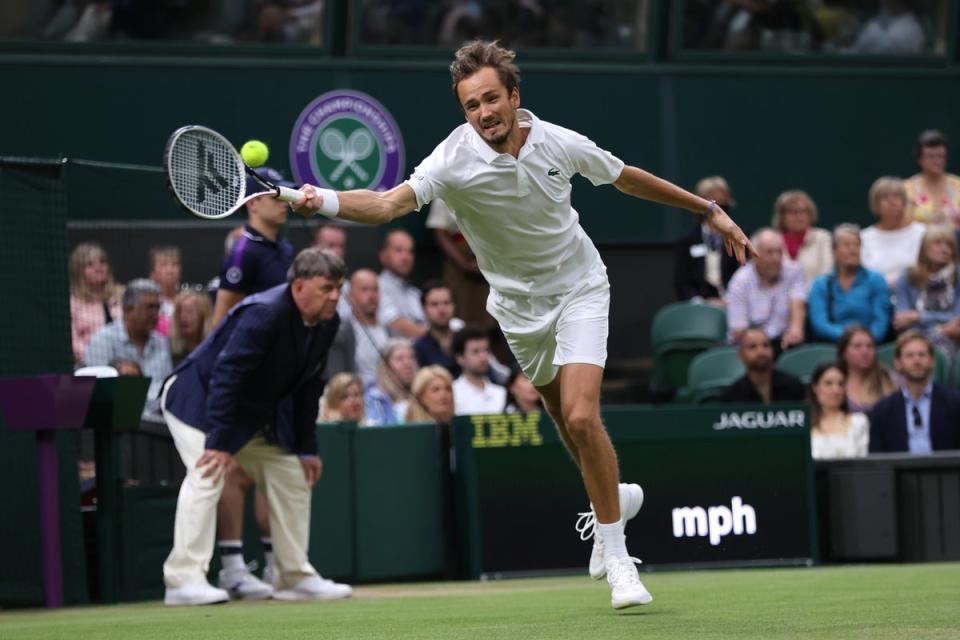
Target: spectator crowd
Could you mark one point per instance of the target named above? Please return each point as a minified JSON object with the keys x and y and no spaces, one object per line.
{"x":895,"y":281}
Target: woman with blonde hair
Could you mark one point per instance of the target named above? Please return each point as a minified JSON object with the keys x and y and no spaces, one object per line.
{"x":867,"y":380}
{"x":343,"y":399}
{"x":94,"y":296}
{"x":190,"y":323}
{"x":432,"y":391}
{"x":927,"y":295}
{"x":890,"y":246}
{"x":387,"y":399}
{"x":794,"y":216}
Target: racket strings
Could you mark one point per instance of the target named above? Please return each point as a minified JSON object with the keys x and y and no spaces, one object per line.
{"x":205,"y":174}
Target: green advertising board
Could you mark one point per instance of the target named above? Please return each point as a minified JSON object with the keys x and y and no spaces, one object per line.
{"x":724,"y":485}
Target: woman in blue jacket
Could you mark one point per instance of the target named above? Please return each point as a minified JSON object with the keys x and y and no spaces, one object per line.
{"x":849,"y":294}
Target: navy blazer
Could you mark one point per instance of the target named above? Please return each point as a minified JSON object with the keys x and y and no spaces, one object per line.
{"x":256,"y":371}
{"x":888,"y":422}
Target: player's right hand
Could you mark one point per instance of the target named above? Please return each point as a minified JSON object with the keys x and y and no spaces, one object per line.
{"x":216,"y":463}
{"x":310,"y":203}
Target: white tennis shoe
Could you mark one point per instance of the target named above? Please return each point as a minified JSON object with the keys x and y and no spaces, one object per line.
{"x":314,"y":588}
{"x":194,"y":594}
{"x":631,"y":499}
{"x":243,"y":585}
{"x":626,"y":590}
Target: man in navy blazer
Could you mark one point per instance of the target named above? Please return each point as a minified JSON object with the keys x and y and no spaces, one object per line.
{"x":249,"y":395}
{"x":922,"y":417}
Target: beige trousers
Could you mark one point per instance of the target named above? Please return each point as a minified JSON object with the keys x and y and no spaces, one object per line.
{"x":275,"y":472}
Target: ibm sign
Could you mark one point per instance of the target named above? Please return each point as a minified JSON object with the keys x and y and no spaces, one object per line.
{"x":730,"y":485}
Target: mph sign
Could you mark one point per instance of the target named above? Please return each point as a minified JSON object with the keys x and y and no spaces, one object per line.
{"x":723,"y":485}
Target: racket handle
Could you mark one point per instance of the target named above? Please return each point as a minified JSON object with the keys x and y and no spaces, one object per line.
{"x":287,"y":194}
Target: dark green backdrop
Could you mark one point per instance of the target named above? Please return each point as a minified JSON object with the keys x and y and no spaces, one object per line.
{"x":830,"y":131}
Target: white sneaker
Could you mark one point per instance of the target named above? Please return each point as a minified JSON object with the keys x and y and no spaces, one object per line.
{"x":269,"y":575}
{"x":194,"y":593}
{"x":315,"y":588}
{"x":243,"y":585}
{"x":631,"y":499}
{"x":626,"y":590}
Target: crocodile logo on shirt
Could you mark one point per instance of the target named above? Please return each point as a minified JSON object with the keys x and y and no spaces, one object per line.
{"x":553,"y":172}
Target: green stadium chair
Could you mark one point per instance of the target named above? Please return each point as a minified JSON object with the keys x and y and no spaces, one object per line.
{"x":801,"y":361}
{"x":679,"y":332}
{"x":711,"y":372}
{"x":941,"y":368}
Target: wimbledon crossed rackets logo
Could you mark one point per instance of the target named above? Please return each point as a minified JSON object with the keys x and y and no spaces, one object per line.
{"x":347,"y":140}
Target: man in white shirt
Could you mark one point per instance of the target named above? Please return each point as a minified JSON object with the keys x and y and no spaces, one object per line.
{"x":400,"y":307}
{"x":369,"y":334}
{"x":473,"y":392}
{"x":506,"y":176}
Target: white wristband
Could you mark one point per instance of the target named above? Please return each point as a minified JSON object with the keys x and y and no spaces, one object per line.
{"x":331,"y":203}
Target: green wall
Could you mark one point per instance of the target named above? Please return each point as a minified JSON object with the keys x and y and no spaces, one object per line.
{"x":830,"y":131}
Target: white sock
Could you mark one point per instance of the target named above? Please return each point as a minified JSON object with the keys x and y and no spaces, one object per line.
{"x":268,"y":552}
{"x":614,"y":542}
{"x":231,"y":555}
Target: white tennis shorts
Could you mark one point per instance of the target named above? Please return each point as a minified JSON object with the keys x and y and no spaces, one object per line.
{"x":547,"y":332}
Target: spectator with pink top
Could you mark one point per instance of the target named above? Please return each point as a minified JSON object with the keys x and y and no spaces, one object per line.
{"x":934,"y":194}
{"x":94,"y":296}
{"x":794,"y":216}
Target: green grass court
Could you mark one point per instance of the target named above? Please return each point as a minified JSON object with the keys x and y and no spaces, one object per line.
{"x":876,"y":602}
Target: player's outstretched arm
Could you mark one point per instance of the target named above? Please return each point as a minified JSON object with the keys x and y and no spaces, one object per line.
{"x":641,"y":184}
{"x":361,"y":205}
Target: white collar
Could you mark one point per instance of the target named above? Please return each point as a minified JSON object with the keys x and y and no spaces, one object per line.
{"x":525,"y":120}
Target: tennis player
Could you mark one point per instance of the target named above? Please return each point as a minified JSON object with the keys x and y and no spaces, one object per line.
{"x":506,"y":176}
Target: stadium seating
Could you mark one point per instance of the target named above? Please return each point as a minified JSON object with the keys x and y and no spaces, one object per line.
{"x":802,"y":360}
{"x":941,"y":369}
{"x":710,"y":373}
{"x":679,"y":332}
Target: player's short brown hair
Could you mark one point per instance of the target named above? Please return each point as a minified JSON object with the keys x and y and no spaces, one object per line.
{"x":475,"y":55}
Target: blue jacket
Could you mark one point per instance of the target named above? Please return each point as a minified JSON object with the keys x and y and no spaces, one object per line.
{"x":261,"y":368}
{"x":867,"y":302}
{"x":888,"y":422}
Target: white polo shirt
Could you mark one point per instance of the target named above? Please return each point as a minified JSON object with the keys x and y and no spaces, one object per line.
{"x":515,"y":212}
{"x":469,"y":400}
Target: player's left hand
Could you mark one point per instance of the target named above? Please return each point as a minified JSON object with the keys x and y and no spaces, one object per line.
{"x":734,"y":239}
{"x":312,"y":468}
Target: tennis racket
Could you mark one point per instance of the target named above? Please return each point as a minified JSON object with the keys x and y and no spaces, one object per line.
{"x":208,"y":177}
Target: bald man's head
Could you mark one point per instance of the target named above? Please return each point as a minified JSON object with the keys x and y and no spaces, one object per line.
{"x":769,"y":260}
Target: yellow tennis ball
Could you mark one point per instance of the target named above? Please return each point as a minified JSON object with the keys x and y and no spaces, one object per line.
{"x":254,"y":153}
